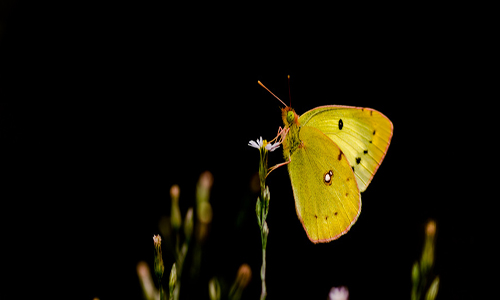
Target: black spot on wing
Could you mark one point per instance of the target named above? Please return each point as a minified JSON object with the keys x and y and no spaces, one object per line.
{"x":341,"y":124}
{"x":358,"y":160}
{"x":365,"y":151}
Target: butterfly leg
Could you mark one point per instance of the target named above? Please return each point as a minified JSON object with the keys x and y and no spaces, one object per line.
{"x":279,"y":165}
{"x":282,"y":132}
{"x":280,"y":136}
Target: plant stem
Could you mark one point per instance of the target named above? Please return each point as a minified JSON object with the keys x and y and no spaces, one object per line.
{"x":264,"y":232}
{"x":160,"y":288}
{"x":263,"y":275}
{"x":262,"y":209}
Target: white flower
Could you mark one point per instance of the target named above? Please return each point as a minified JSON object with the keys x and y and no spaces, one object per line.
{"x":270,"y":147}
{"x":338,"y":293}
{"x":259,"y":143}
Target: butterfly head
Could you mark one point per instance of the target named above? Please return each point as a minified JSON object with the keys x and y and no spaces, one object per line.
{"x":289,"y":116}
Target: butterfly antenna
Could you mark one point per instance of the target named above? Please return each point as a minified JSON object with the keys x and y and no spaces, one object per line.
{"x":289,"y":94}
{"x":271,"y":92}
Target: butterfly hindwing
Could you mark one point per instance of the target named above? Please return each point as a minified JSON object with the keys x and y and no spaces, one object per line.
{"x":327,"y":198}
{"x":362,"y":134}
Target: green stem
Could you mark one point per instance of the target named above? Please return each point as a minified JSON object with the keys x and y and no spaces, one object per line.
{"x":263,"y":275}
{"x":161,"y":290}
{"x":263,"y":207}
{"x":264,"y":230}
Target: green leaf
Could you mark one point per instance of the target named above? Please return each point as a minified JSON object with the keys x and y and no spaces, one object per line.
{"x":258,"y":211}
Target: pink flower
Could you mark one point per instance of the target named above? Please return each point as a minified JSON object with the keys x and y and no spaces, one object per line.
{"x":338,"y":293}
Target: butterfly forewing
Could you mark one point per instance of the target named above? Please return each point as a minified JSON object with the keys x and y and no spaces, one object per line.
{"x":362,"y":134}
{"x":327,"y":198}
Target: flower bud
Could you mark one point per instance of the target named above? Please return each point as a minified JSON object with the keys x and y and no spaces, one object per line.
{"x":188,"y":224}
{"x":146,"y":281}
{"x":244,"y":276}
{"x":175,"y":192}
{"x":242,"y":279}
{"x":267,"y":197}
{"x":415,"y":273}
{"x":433,"y":290}
{"x":203,"y":207}
{"x":204,"y":217}
{"x":428,"y":252}
{"x":265,"y":233}
{"x":203,"y":187}
{"x":214,"y":289}
{"x":265,"y":230}
{"x":205,"y":212}
{"x":159,"y":268}
{"x":258,"y":211}
{"x":430,"y":229}
{"x":172,"y":279}
{"x":175,"y":212}
{"x":338,"y":293}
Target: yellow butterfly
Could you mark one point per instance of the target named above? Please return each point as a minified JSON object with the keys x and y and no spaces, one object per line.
{"x":332,"y":153}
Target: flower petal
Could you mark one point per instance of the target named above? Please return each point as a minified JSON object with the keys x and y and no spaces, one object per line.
{"x":271,"y":147}
{"x":339,"y":293}
{"x":253,"y":144}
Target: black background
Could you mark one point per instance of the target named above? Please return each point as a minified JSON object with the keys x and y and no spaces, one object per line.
{"x":104,"y":107}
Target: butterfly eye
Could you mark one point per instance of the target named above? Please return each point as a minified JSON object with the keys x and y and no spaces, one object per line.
{"x":290,"y":116}
{"x":327,"y":178}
